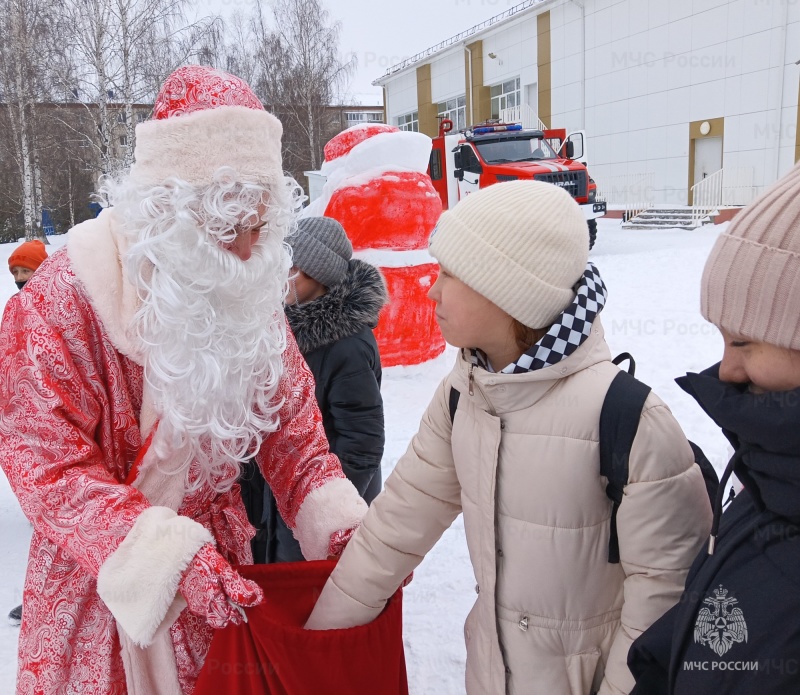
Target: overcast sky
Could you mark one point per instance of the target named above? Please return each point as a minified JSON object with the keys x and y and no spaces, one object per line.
{"x":382,"y":33}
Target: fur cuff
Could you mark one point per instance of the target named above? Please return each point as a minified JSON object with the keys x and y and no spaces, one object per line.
{"x":335,"y":506}
{"x":139,"y":580}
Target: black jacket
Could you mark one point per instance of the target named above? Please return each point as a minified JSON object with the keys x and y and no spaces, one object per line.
{"x":736,"y":629}
{"x":334,"y":334}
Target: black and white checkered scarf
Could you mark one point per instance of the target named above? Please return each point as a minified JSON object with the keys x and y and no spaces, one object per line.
{"x":567,"y":334}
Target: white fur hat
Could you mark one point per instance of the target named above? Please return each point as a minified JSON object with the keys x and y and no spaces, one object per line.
{"x":521,"y":244}
{"x":204,"y":119}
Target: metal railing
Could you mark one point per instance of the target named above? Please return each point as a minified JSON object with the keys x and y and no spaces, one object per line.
{"x":523,"y":114}
{"x":633,"y":193}
{"x":706,"y":197}
{"x":738,"y":187}
{"x":510,"y":12}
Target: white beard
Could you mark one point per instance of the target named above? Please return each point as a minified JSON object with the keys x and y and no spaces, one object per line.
{"x":213,"y":333}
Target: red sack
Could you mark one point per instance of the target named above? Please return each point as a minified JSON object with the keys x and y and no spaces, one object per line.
{"x":272,"y":654}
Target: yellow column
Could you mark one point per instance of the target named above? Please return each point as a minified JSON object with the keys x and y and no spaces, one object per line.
{"x":481,"y":96}
{"x":544,"y":61}
{"x":428,"y":112}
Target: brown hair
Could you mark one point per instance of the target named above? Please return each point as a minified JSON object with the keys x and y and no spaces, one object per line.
{"x":525,"y":336}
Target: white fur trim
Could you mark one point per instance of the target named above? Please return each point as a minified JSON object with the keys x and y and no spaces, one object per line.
{"x":333,"y":507}
{"x":95,"y":253}
{"x":139,"y":581}
{"x":193,"y":146}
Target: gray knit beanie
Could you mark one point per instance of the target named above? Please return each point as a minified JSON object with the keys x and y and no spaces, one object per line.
{"x":751,"y":281}
{"x":321,"y":249}
{"x":521,"y":244}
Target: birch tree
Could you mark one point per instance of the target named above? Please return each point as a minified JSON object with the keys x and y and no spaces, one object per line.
{"x":152,"y":39}
{"x":24,"y":31}
{"x":301,"y":75}
{"x":121,"y":52}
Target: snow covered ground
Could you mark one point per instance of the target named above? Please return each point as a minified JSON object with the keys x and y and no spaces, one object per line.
{"x":653,"y":279}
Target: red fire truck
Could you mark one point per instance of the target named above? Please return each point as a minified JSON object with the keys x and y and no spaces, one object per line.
{"x":466,"y":161}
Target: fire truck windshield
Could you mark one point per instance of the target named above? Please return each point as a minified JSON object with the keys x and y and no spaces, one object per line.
{"x":507,"y":150}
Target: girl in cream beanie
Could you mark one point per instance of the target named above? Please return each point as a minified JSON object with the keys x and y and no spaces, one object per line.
{"x":751,"y":567}
{"x":510,"y":440}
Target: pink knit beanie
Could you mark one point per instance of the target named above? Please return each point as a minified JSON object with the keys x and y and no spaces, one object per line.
{"x":751,"y":282}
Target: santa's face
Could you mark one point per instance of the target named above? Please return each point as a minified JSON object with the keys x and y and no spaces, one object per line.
{"x":247,"y":234}
{"x":211,"y":272}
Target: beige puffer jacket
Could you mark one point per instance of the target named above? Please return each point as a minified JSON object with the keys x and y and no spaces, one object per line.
{"x":521,"y":461}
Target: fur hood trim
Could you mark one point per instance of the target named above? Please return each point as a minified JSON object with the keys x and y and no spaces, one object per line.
{"x":96,"y":249}
{"x":344,"y":310}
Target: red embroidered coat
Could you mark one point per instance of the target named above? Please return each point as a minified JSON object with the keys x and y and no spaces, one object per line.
{"x":69,"y":433}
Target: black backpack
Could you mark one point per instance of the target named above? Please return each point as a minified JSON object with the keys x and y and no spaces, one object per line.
{"x":619,"y":422}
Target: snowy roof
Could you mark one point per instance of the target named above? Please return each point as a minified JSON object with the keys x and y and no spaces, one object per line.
{"x":447,"y":43}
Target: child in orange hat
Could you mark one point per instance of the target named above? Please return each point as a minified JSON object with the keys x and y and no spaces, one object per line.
{"x":25,"y":260}
{"x":22,"y":263}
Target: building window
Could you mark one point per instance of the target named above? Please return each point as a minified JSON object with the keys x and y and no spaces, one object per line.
{"x":121,"y":118}
{"x":456,"y":111}
{"x":123,"y":140}
{"x":141,"y":116}
{"x":409,"y":122}
{"x":505,"y":96}
{"x":357,"y":117}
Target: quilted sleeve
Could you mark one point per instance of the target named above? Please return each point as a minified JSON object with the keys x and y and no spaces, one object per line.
{"x":54,"y":409}
{"x":421,"y":499}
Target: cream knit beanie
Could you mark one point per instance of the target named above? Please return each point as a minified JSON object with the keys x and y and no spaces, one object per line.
{"x":751,"y":282}
{"x":521,"y":244}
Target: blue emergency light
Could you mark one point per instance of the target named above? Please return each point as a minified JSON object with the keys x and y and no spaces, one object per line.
{"x":495,"y":129}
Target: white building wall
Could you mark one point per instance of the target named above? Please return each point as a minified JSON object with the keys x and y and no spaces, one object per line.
{"x":447,"y":76}
{"x":514,"y":46}
{"x":566,"y":68}
{"x":649,"y":68}
{"x":402,"y":95}
{"x":653,"y":67}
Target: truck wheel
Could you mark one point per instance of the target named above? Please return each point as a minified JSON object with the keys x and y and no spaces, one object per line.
{"x":592,"y":224}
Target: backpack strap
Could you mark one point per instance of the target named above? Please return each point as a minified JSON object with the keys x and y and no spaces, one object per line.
{"x":453,"y":403}
{"x":619,"y":421}
{"x":619,"y":359}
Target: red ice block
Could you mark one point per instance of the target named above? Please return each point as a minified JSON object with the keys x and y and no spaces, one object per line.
{"x":395,"y":211}
{"x":407,"y":332}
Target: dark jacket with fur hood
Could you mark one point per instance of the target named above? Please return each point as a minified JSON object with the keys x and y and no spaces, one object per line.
{"x":334,"y":333}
